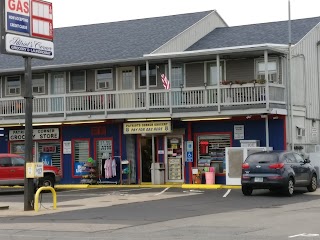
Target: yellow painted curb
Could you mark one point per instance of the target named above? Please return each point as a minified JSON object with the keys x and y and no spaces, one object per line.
{"x":230,"y":187}
{"x":202,"y":186}
{"x":71,"y":186}
{"x":184,"y":186}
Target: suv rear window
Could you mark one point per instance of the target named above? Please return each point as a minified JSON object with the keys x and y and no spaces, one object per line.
{"x":263,"y":158}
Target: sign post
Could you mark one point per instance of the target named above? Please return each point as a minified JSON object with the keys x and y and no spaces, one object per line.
{"x":26,"y":30}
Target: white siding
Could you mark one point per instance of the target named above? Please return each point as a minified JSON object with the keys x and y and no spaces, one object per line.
{"x":193,"y":34}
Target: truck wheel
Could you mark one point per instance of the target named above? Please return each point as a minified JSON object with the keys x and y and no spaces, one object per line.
{"x":47,"y":181}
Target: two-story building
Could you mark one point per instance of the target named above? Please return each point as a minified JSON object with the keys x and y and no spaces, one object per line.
{"x":103,"y":94}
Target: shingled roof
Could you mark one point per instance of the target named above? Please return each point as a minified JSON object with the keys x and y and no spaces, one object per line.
{"x":273,"y":32}
{"x":110,"y":41}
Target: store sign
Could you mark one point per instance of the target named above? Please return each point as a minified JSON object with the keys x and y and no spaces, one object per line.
{"x":27,"y":28}
{"x":32,"y":47}
{"x":147,"y":127}
{"x":38,"y":134}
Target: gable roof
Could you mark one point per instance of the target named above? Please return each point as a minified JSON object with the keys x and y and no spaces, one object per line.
{"x":109,"y":41}
{"x":273,"y":32}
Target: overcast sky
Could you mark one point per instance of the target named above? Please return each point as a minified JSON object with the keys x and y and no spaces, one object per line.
{"x":234,"y":12}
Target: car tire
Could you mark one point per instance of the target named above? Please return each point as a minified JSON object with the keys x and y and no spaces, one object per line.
{"x":312,"y":187}
{"x":289,"y":189}
{"x":247,"y":191}
{"x":47,"y":181}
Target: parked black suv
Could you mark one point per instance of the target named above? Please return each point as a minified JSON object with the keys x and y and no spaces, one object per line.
{"x":276,"y":170}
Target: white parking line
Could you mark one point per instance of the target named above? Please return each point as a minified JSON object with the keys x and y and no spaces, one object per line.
{"x":162,"y":191}
{"x":227,"y":193}
{"x":305,"y":235}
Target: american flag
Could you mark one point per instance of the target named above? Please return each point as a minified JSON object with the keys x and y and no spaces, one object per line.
{"x":165,"y":81}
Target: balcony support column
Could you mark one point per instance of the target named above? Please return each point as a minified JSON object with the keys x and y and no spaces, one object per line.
{"x":266,"y":74}
{"x":218,"y":84}
{"x":170,"y":75}
{"x":147,"y":85}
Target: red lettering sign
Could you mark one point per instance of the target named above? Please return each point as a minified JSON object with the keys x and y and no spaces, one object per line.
{"x":19,"y":6}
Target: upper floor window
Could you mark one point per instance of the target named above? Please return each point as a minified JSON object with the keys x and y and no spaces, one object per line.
{"x":13,"y":85}
{"x":176,"y":80}
{"x":77,"y":81}
{"x":38,"y":83}
{"x":104,"y":79}
{"x":152,"y":76}
{"x":212,"y":73}
{"x":273,"y":72}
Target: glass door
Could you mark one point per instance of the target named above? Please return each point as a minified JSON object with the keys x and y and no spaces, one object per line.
{"x":174,"y":159}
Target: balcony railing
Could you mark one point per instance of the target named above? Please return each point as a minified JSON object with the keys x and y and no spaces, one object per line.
{"x":200,"y":97}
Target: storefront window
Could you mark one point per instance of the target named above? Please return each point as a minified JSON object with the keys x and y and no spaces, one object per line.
{"x":49,"y":153}
{"x":46,"y":152}
{"x":103,"y":150}
{"x":174,"y":152}
{"x":211,"y":151}
{"x":81,"y":153}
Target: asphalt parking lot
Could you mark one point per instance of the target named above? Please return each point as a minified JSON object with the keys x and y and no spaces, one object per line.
{"x":164,"y":213}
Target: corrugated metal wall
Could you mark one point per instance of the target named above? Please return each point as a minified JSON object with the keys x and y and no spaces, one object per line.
{"x":306,"y":86}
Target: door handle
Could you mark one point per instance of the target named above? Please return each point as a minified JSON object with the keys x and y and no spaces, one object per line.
{"x":12,"y":170}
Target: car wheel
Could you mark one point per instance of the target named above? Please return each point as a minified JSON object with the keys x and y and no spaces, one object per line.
{"x":289,"y":189}
{"x":313,"y":184}
{"x":247,"y":191}
{"x":47,"y":181}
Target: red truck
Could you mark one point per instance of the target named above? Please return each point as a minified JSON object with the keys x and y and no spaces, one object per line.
{"x":12,"y":172}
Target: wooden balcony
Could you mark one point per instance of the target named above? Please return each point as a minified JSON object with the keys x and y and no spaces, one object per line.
{"x":235,"y":96}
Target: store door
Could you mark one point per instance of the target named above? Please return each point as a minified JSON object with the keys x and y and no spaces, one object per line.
{"x":57,"y":88}
{"x":146,"y":158}
{"x":174,"y":159}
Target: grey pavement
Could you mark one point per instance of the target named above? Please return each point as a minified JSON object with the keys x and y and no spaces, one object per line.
{"x":173,"y":214}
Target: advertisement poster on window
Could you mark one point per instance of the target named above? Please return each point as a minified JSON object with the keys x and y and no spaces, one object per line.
{"x":238,"y":132}
{"x":46,"y":158}
{"x":79,"y":169}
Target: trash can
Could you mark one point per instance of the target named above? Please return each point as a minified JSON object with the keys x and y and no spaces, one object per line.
{"x":157,"y":173}
{"x":210,"y":176}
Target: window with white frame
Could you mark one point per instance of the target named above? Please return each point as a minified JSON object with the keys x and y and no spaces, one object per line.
{"x":13,"y":85}
{"x":152,"y":76}
{"x":176,"y":80}
{"x":77,"y":81}
{"x":212,"y":73}
{"x":38,"y":83}
{"x":104,"y":79}
{"x":273,"y":72}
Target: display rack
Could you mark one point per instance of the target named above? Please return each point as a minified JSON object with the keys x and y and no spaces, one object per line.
{"x":90,"y":176}
{"x":125,"y":171}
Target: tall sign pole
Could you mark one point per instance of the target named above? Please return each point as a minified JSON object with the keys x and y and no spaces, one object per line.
{"x":26,"y":29}
{"x":28,"y":182}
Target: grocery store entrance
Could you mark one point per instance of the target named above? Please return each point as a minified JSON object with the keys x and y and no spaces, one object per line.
{"x":146,"y":157}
